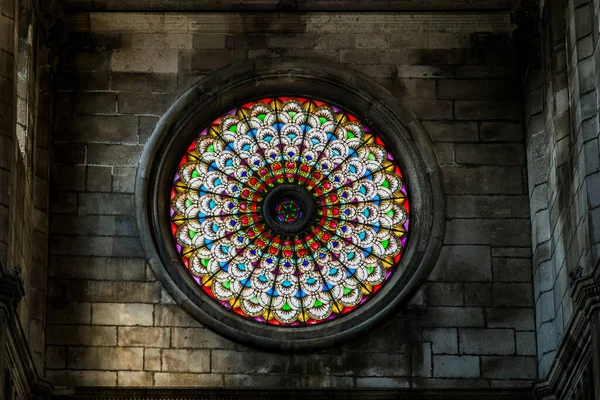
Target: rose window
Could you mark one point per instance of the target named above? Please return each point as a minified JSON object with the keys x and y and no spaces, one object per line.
{"x":289,"y":211}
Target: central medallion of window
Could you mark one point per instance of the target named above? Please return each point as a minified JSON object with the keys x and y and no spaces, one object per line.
{"x":289,"y":211}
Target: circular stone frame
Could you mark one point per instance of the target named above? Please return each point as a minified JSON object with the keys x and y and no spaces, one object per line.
{"x":333,"y":83}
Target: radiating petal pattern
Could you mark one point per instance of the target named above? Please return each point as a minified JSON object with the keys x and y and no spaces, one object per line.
{"x":345,"y":250}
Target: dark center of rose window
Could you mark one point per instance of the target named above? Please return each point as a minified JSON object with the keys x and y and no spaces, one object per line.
{"x":289,"y":209}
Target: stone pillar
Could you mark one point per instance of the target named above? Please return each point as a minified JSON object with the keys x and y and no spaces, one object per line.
{"x":596,"y":353}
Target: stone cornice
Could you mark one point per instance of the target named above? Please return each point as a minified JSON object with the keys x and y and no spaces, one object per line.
{"x":287,"y":5}
{"x":574,"y":352}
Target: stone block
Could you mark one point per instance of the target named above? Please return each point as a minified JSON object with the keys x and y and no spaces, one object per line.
{"x":387,"y":338}
{"x":103,"y":225}
{"x":547,"y":338}
{"x":429,"y":57}
{"x":443,"y":294}
{"x":372,"y":41}
{"x":372,"y":364}
{"x":68,"y":153}
{"x":107,"y":246}
{"x":99,"y":179}
{"x":132,"y":379}
{"x":81,"y":335}
{"x":105,"y":203}
{"x":103,"y":358}
{"x":443,"y":340}
{"x":485,"y":71}
{"x":114,"y":154}
{"x":107,"y":291}
{"x":178,"y":40}
{"x":473,"y":89}
{"x":425,"y":71}
{"x":55,"y":357}
{"x":67,"y":177}
{"x":512,"y":294}
{"x":445,"y":153}
{"x":426,"y":109}
{"x":472,"y":206}
{"x":490,"y":154}
{"x":82,"y":378}
{"x":509,"y":367}
{"x":144,"y":103}
{"x":142,"y":41}
{"x":199,"y":338}
{"x":421,"y":357}
{"x":334,"y":41}
{"x":518,"y":318}
{"x":227,"y":361}
{"x":501,"y":132}
{"x":186,"y":360}
{"x":583,"y":21}
{"x":463,"y":263}
{"x":86,"y":103}
{"x":444,"y":40}
{"x":455,"y":366}
{"x":143,"y":82}
{"x":500,"y":232}
{"x":487,"y":109}
{"x":166,"y":379}
{"x":102,"y":128}
{"x":526,"y":345}
{"x":478,"y":294}
{"x":591,"y":154}
{"x":123,"y":179}
{"x":288,"y":41}
{"x":87,"y":61}
{"x":360,"y":56}
{"x":382,"y":383}
{"x":143,"y":336}
{"x":483,"y":180}
{"x":84,"y":80}
{"x":450,"y":317}
{"x":417,"y":88}
{"x":201,"y":60}
{"x":450,"y":131}
{"x":68,"y":313}
{"x":512,"y":269}
{"x":97,"y":268}
{"x":145,"y":60}
{"x":173,"y":315}
{"x":152,"y":359}
{"x":122,"y":314}
{"x":147,"y":125}
{"x":545,"y":307}
{"x":486,"y":341}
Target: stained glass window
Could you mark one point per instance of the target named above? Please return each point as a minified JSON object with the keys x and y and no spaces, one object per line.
{"x":289,"y":211}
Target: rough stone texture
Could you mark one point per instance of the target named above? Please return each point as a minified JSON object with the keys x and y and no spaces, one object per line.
{"x":25,"y":124}
{"x":562,"y":159}
{"x":124,"y":329}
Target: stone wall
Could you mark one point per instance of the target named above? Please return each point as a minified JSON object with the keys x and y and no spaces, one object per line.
{"x":110,"y":323}
{"x":563,"y":165}
{"x":25,"y":93}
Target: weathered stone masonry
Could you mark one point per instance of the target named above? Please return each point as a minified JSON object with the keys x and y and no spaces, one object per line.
{"x":109,"y":322}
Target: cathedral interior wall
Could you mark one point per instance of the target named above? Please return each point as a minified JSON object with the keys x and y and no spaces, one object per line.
{"x":563,"y":166}
{"x":109,"y":321}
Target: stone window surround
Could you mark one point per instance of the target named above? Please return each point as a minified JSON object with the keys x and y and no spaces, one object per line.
{"x":315,"y":78}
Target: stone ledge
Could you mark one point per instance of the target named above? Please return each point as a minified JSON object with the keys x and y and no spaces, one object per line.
{"x":123,"y":22}
{"x":251,"y":394}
